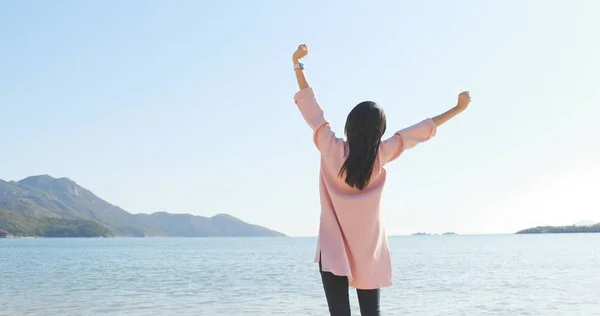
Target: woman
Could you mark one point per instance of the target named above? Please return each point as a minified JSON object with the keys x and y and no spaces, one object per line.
{"x":352,"y":248}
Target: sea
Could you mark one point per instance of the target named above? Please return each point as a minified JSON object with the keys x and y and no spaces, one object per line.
{"x":433,"y":275}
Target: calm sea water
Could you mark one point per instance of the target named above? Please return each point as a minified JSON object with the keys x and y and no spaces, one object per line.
{"x":434,"y":275}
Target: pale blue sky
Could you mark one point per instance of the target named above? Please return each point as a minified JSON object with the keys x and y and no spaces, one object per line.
{"x":186,"y":106}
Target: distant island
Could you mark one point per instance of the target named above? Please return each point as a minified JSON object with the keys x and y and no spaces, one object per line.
{"x":428,"y":234}
{"x":595,"y":228}
{"x":43,"y":206}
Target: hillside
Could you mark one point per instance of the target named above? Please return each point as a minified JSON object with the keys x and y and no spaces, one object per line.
{"x":20,"y":225}
{"x":46,"y":206}
{"x":561,"y":229}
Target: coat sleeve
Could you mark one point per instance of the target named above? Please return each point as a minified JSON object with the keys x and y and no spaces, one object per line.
{"x":407,"y":138}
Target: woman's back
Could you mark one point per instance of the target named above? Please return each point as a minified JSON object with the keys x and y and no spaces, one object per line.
{"x":352,"y":240}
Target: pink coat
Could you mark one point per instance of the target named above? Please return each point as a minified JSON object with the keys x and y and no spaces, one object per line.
{"x":357,"y":247}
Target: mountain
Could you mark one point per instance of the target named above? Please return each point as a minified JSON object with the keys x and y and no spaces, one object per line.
{"x":15,"y":224}
{"x":46,"y":206}
{"x":585,"y":223}
{"x":561,"y":229}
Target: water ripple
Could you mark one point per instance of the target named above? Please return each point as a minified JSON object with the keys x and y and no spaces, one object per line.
{"x":445,"y":275}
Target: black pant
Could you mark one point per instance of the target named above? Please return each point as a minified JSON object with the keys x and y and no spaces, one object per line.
{"x":336,"y":293}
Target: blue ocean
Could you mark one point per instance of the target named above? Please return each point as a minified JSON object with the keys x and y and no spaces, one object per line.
{"x":433,"y":275}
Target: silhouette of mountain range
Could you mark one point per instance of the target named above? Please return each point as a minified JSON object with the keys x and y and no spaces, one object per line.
{"x":49,"y":207}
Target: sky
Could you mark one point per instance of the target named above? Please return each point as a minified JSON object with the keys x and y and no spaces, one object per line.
{"x":187,"y":106}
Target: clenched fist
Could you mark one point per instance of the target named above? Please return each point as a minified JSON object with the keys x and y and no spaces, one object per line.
{"x":300,"y":53}
{"x":464,"y":98}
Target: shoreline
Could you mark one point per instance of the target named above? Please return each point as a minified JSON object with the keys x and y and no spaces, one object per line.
{"x":132,"y":237}
{"x":311,"y":237}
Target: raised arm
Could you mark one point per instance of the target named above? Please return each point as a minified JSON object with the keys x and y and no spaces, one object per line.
{"x":463,"y":101}
{"x":411,"y":136}
{"x":299,"y":68}
{"x":311,"y":111}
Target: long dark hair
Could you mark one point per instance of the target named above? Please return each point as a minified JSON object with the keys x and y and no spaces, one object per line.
{"x":365,"y":126}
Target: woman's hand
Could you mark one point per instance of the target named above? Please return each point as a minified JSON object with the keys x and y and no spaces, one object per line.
{"x":300,"y":53}
{"x":463,"y":100}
